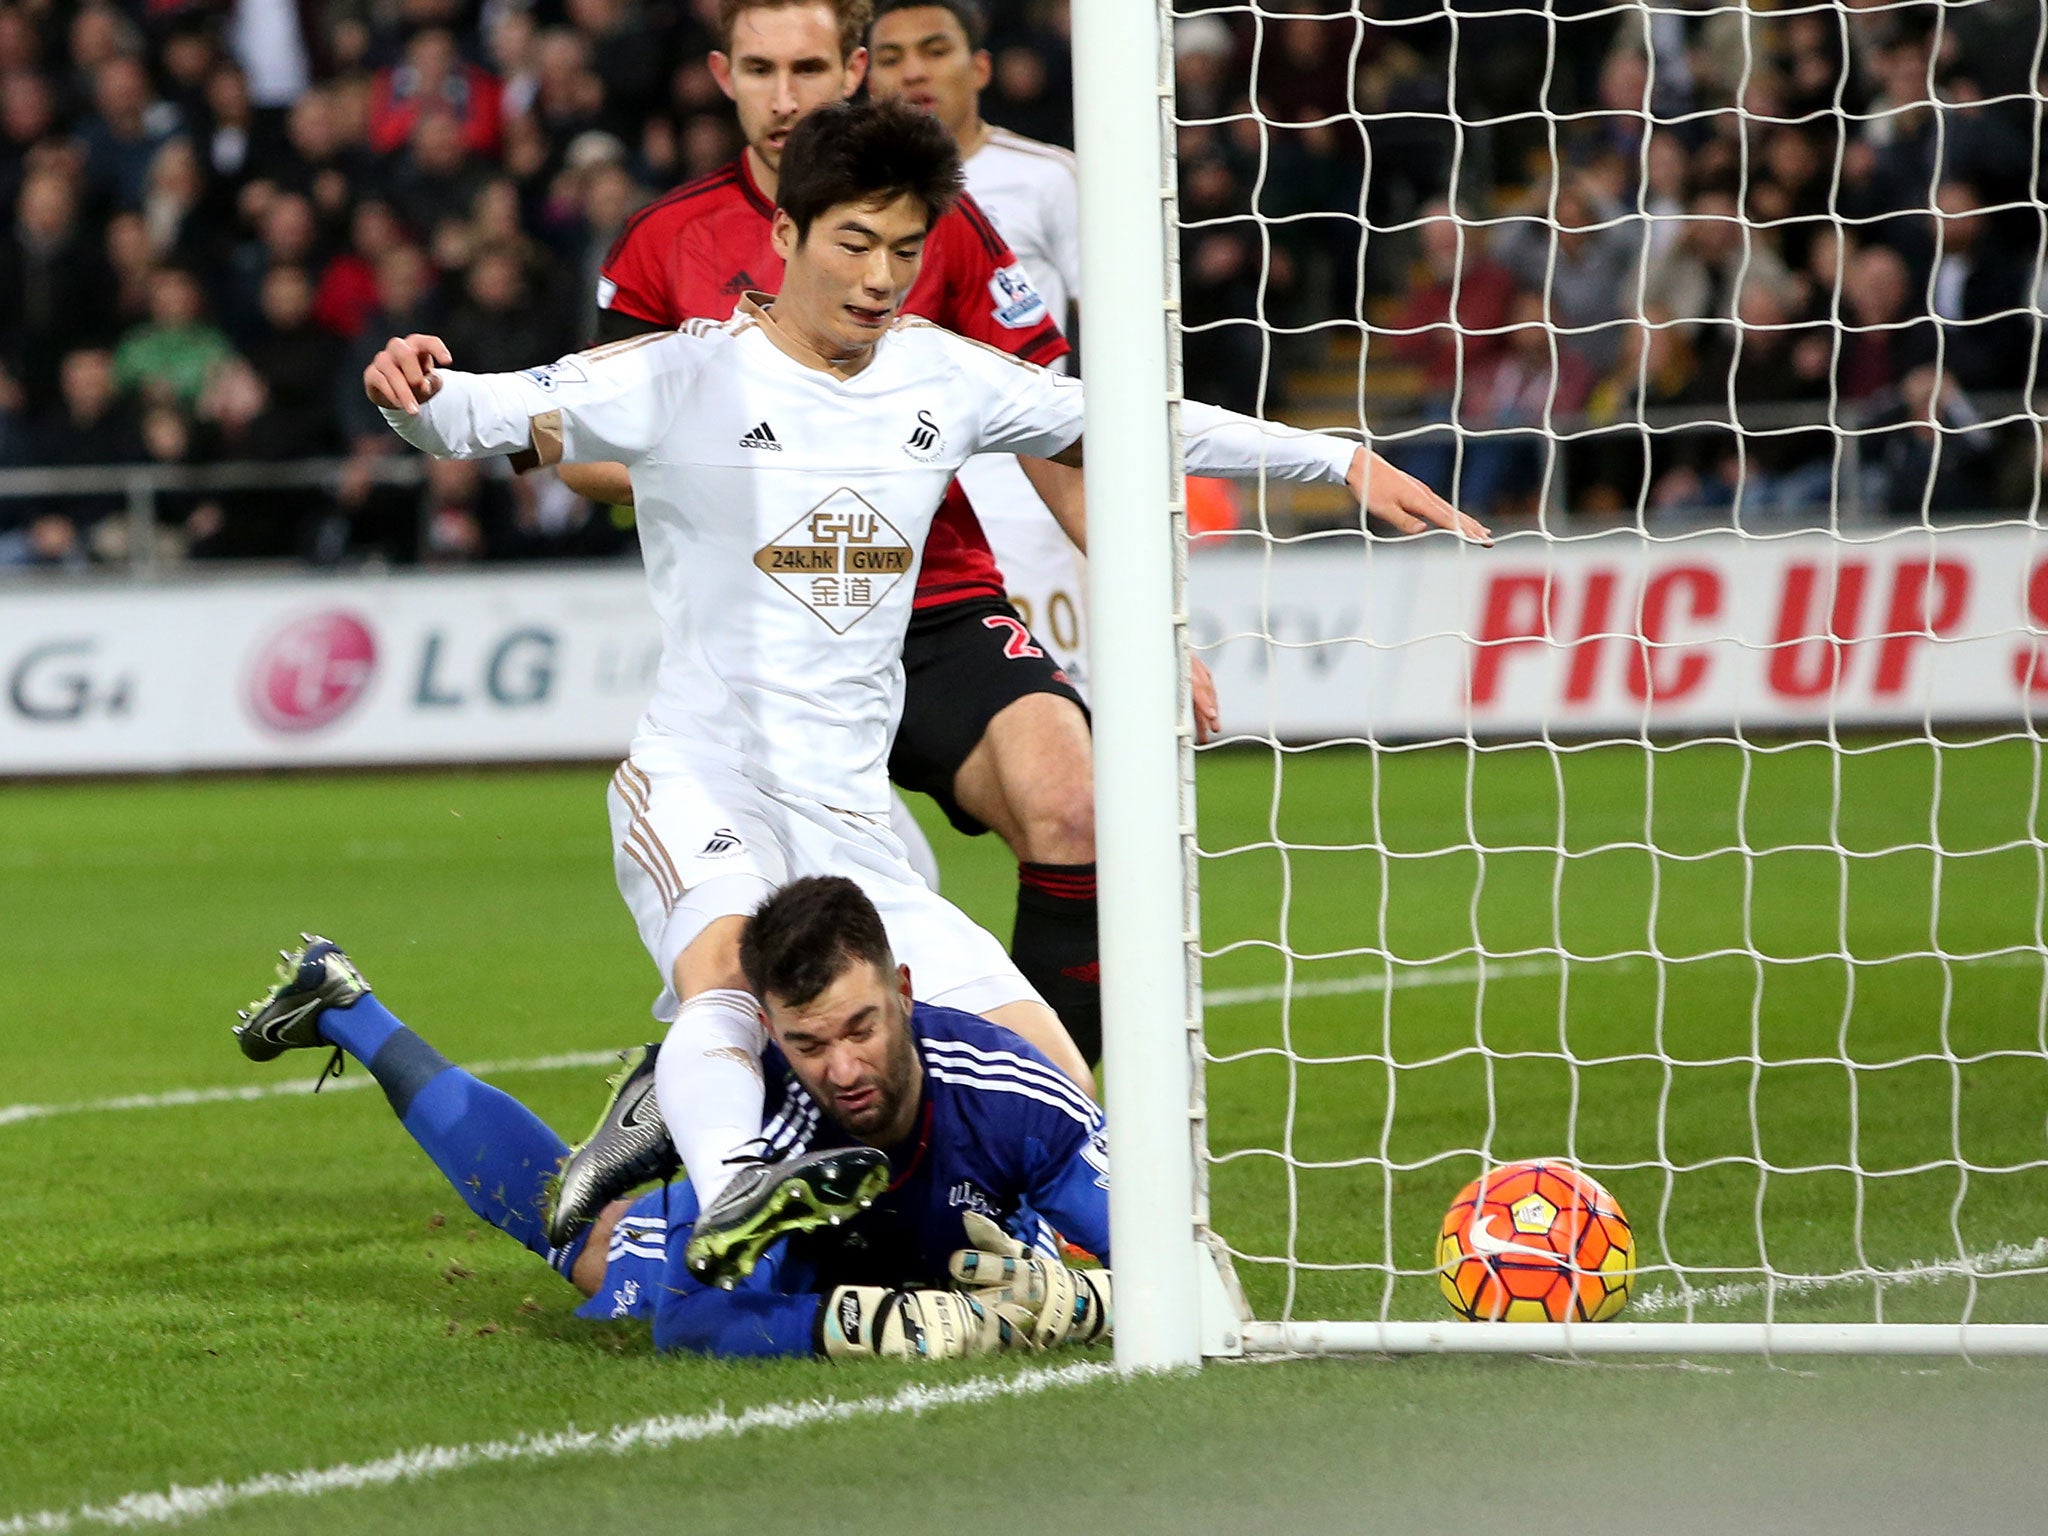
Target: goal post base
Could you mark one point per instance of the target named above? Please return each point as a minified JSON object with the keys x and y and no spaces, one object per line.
{"x":1453,"y":1338}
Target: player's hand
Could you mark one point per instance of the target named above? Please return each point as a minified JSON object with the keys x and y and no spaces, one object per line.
{"x":1208,"y":714}
{"x":858,"y":1321}
{"x":1058,"y":1305}
{"x":1401,"y":501}
{"x":401,"y":377}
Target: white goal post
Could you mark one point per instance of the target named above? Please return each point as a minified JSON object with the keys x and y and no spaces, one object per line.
{"x":1561,"y":630}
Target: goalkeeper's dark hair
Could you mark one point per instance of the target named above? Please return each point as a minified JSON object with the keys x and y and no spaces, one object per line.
{"x":973,"y":20}
{"x":867,"y":152}
{"x":807,"y":935}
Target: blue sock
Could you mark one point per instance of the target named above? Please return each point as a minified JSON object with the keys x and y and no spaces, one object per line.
{"x":495,"y":1151}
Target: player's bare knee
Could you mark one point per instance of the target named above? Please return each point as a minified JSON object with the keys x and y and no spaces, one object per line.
{"x":1043,"y":763}
{"x":587,"y":1274}
{"x":1057,"y":825}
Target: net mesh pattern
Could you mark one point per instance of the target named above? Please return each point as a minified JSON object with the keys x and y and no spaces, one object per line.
{"x":1693,"y":831}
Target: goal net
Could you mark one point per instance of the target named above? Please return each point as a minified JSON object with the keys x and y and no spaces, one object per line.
{"x":1692,"y":833}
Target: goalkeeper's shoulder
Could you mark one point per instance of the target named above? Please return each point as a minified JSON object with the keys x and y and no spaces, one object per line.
{"x":988,"y":1065}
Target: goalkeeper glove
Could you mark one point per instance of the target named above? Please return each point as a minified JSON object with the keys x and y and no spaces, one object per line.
{"x":1062,"y":1305}
{"x":867,"y":1320}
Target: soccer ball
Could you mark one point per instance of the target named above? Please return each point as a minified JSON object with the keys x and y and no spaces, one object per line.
{"x":1535,"y":1242}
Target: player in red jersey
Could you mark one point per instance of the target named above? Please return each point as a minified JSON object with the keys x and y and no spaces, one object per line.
{"x":991,"y":728}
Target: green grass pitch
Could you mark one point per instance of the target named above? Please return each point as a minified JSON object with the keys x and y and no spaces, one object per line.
{"x":228,"y":1288}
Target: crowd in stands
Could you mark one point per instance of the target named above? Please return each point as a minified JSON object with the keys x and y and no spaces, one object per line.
{"x":1655,"y":265}
{"x":220,"y":208}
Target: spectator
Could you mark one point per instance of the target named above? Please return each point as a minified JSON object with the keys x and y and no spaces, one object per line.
{"x":434,"y":80}
{"x":174,"y":209}
{"x":1787,"y":467}
{"x":234,"y":143}
{"x":99,"y":34}
{"x":1587,"y":265}
{"x":347,"y":292}
{"x":514,"y":46}
{"x":624,"y":56}
{"x":296,"y":360}
{"x":1222,"y":263}
{"x":1453,"y":327}
{"x":1202,"y":53}
{"x":287,"y":234}
{"x":1882,"y":343}
{"x":610,"y":197}
{"x":1791,"y":199}
{"x":91,"y":427}
{"x":126,"y":129}
{"x":1662,"y":196}
{"x":237,"y":419}
{"x":171,"y":357}
{"x":437,"y":179}
{"x":497,"y":323}
{"x":1979,"y":295}
{"x":1928,"y":453}
{"x":132,"y":263}
{"x":1700,"y":275}
{"x":52,"y":285}
{"x":452,"y":513}
{"x":1026,"y":96}
{"x":569,"y":97}
{"x":185,"y":57}
{"x":369,"y":517}
{"x":1305,"y":64}
{"x":1525,"y":388}
{"x":28,"y":122}
{"x":1616,"y":468}
{"x":316,"y":159}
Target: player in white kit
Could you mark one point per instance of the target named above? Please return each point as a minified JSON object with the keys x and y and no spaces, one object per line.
{"x":782,"y":577}
{"x":930,"y":54}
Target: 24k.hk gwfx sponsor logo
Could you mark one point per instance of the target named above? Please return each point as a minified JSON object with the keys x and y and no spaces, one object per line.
{"x":840,"y":559}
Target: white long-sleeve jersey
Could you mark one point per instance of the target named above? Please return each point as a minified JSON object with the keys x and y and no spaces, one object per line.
{"x":782,"y":510}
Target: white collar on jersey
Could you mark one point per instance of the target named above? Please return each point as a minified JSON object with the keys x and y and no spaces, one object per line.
{"x":756,"y":306}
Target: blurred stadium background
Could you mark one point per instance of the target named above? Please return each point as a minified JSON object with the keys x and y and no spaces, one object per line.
{"x":1720,"y":314}
{"x":219,"y":210}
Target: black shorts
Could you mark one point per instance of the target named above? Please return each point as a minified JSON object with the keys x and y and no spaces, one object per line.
{"x":963,"y":664}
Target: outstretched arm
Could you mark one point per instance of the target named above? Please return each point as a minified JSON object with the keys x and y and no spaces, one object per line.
{"x":1230,"y":446}
{"x":610,"y":406}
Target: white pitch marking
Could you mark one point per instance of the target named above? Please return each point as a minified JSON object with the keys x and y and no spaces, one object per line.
{"x":1379,"y":981}
{"x":1497,"y":970}
{"x":11,"y":1114}
{"x":179,"y":1503}
{"x":297,"y":1088}
{"x":1728,"y":1293}
{"x":1222,"y":997}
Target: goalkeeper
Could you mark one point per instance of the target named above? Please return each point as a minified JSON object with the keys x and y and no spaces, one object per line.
{"x":926,"y":1237}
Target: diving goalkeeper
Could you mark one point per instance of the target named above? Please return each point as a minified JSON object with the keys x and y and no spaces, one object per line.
{"x":927,"y":1237}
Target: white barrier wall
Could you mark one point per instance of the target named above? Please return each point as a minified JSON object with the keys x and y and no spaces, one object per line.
{"x":1618,"y":635}
{"x":1323,"y":639}
{"x":398,"y":669}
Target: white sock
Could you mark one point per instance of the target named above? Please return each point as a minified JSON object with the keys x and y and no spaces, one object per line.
{"x":708,"y":1083}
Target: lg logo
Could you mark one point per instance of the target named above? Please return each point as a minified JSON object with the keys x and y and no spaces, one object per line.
{"x":56,"y":682}
{"x":312,"y":672}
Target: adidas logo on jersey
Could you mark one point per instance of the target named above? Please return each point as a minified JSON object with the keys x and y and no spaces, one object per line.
{"x":762,"y":436}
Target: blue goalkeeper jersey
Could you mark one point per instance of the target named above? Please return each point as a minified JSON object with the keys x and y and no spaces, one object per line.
{"x":1000,"y":1131}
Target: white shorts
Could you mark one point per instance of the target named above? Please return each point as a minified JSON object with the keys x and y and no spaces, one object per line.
{"x":695,"y":839}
